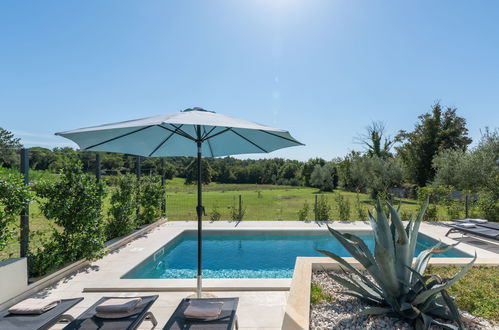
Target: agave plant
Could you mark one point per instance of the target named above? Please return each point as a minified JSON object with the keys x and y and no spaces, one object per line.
{"x":399,"y":286}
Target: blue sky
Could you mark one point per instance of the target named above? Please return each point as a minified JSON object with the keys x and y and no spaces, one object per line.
{"x":322,"y":69}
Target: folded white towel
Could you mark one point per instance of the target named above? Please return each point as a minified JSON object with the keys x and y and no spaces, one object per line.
{"x":200,"y":309}
{"x":118,"y":305}
{"x":34,"y":306}
{"x":467,"y":225}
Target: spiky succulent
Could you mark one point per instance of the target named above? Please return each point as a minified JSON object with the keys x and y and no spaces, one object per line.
{"x":399,"y":286}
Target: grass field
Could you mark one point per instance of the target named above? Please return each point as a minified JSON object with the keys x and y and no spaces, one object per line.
{"x":260,"y":202}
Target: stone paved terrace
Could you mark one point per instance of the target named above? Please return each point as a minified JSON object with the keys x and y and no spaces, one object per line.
{"x":262,"y":301}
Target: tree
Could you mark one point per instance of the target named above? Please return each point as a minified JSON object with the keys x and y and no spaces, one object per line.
{"x":309,"y":167}
{"x":192,"y":172}
{"x":375,"y":141}
{"x":324,"y":177}
{"x":375,"y":174}
{"x":435,"y":132}
{"x":476,"y":170}
{"x":9,"y":146}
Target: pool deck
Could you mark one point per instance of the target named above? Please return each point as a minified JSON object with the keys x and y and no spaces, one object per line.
{"x":262,"y":301}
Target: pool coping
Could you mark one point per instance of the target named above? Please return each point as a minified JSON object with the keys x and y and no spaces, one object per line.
{"x":297,"y":311}
{"x":145,"y":248}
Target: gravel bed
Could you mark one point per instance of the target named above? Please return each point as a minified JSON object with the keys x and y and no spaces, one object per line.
{"x":342,"y":312}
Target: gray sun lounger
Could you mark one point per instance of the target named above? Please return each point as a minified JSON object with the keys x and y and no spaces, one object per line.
{"x":488,"y":224}
{"x":479,"y":230}
{"x":38,"y":321}
{"x":88,"y":320}
{"x":226,"y":321}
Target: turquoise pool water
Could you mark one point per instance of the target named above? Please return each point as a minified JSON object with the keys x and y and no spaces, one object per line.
{"x":247,"y":255}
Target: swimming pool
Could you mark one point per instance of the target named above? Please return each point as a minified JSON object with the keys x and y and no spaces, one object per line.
{"x":248,"y":254}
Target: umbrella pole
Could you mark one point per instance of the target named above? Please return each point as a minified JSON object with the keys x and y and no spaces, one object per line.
{"x":199,"y":210}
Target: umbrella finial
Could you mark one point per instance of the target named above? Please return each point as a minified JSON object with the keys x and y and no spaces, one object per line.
{"x":197,"y":109}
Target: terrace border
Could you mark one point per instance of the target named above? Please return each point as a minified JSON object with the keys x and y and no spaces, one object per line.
{"x":41,"y":283}
{"x":297,"y":311}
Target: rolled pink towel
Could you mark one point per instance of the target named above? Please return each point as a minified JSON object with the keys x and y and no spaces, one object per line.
{"x":118,"y":305}
{"x":34,"y":306}
{"x":199,"y":309}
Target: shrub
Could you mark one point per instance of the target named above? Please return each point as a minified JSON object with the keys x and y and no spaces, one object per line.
{"x":73,"y":200}
{"x":360,"y":212}
{"x":304,"y":211}
{"x":123,"y":205}
{"x":237,"y":212}
{"x":317,"y":295}
{"x":323,"y":209}
{"x":151,"y":197}
{"x":343,"y":206}
{"x":431,"y":213}
{"x":215,"y":213}
{"x":399,"y":286}
{"x":14,"y":196}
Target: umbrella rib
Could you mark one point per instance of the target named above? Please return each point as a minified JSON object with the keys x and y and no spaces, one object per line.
{"x":221,"y":132}
{"x":163,"y":142}
{"x":253,"y":143}
{"x":282,"y":137}
{"x":182,"y":133}
{"x":118,"y":137}
{"x":206,"y":134}
{"x":208,"y":141}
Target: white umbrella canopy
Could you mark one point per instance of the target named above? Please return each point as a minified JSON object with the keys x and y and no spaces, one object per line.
{"x":174,"y":134}
{"x":192,"y":132}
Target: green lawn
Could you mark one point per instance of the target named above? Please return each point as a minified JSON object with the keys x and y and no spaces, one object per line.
{"x":261,"y":202}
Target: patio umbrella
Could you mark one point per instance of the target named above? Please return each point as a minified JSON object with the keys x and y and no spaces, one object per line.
{"x":193,"y":132}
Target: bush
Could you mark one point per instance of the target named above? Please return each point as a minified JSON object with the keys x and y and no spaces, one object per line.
{"x":431,"y":213}
{"x":215,"y":213}
{"x":123,"y":205}
{"x":14,"y":196}
{"x":323,"y":209}
{"x":343,"y":206}
{"x":73,"y":200}
{"x":151,"y":197}
{"x":360,"y":212}
{"x":237,"y":212}
{"x":304,"y":211}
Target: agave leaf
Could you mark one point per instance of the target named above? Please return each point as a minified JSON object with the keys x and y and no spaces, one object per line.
{"x":354,"y":286}
{"x":456,"y":316}
{"x":360,"y":257}
{"x":399,"y":226}
{"x":413,"y":229}
{"x":445,"y":325}
{"x":375,"y":310}
{"x":444,"y":285}
{"x":382,"y":231}
{"x":403,"y":255}
{"x":416,"y":277}
{"x":387,"y":266}
{"x":424,"y":257}
{"x":344,"y":263}
{"x":427,"y":319}
{"x":359,"y":296}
